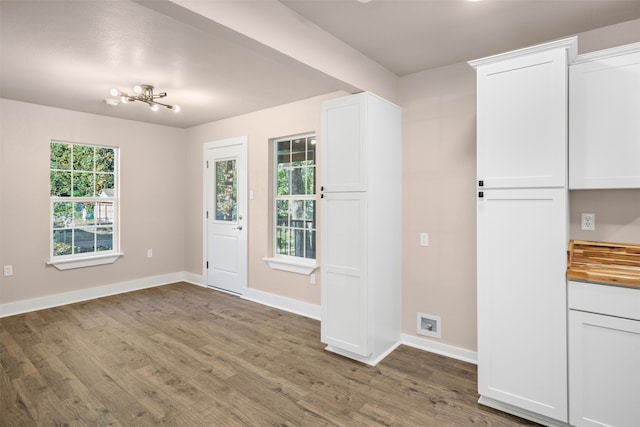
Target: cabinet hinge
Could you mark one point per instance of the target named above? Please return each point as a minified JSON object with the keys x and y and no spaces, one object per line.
{"x":207,"y":264}
{"x":207,"y":164}
{"x":207,"y":214}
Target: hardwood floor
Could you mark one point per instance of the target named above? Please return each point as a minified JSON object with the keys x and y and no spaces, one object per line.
{"x":181,"y":355}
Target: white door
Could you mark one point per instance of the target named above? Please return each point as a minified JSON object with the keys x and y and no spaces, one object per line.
{"x":344,"y":148}
{"x":522,"y":121}
{"x":604,"y":364}
{"x":522,"y":331}
{"x":226,"y":214}
{"x":344,"y":291}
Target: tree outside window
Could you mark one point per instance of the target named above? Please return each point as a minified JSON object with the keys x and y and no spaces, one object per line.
{"x":295,"y":205}
{"x":83,"y":191}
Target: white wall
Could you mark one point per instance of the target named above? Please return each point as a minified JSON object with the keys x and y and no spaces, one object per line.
{"x":259,"y":127}
{"x":439,"y":172}
{"x":152,"y":177}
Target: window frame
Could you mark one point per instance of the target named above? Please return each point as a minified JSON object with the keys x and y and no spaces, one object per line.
{"x":96,"y":256}
{"x":292,"y":263}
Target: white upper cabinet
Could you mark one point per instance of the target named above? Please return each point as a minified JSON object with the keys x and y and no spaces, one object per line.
{"x":604,"y":138}
{"x":522,"y":120}
{"x":344,"y":148}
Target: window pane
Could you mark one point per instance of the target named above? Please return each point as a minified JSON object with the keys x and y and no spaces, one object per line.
{"x":104,"y":238}
{"x":62,"y":242}
{"x":297,"y":213}
{"x":60,"y":183}
{"x":83,"y":158}
{"x":103,"y":213}
{"x":297,"y":181}
{"x":105,"y":182}
{"x":83,"y":184}
{"x":283,"y":152}
{"x":105,"y":159}
{"x":282,"y":212}
{"x":62,"y":214}
{"x":84,"y":240}
{"x":282,"y":241}
{"x":298,"y":243}
{"x":310,"y":181}
{"x":298,"y":152}
{"x":283,"y":180}
{"x":60,"y":156}
{"x":310,"y":237}
{"x":226,"y":193}
{"x":311,"y":150}
{"x":83,"y":214}
{"x":310,"y":213}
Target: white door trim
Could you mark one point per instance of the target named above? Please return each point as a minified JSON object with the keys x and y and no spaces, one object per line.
{"x":242,"y":142}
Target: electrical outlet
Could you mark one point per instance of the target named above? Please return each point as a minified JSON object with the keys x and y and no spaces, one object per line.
{"x":424,"y":239}
{"x":149,"y":253}
{"x":312,"y":278}
{"x":8,"y":270}
{"x":588,"y":222}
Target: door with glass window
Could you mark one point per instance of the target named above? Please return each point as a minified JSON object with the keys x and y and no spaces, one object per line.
{"x":226,"y":215}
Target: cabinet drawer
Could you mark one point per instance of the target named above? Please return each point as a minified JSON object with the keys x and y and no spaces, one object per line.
{"x":605,"y":299}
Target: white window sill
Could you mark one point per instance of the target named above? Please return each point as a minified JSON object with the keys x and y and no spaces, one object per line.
{"x":292,"y":266}
{"x":89,"y":261}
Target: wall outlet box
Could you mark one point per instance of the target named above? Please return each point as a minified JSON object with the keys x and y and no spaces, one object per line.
{"x":429,"y":325}
{"x":588,"y":222}
{"x":8,"y":270}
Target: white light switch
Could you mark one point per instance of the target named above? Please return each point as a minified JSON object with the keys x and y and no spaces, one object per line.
{"x":424,"y":239}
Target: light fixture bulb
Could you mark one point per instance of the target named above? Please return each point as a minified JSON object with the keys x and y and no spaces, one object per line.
{"x":154,"y":107}
{"x":124,"y":99}
{"x":176,"y":108}
{"x":137,"y":89}
{"x":114,"y":92}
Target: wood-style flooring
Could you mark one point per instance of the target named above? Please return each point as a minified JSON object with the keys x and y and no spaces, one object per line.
{"x":182,"y":355}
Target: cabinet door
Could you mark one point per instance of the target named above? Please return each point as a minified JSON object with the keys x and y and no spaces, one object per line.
{"x":522,"y":121}
{"x":522,"y":299}
{"x":343,"y":147}
{"x":344,"y":278}
{"x":604,"y":147}
{"x":604,"y":370}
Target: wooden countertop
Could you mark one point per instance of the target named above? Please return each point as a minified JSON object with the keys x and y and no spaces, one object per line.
{"x":604,"y":262}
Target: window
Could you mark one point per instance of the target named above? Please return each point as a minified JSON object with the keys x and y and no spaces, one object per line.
{"x":295,"y":198}
{"x":84,"y":204}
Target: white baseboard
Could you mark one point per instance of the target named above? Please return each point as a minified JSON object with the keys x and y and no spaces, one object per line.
{"x":439,"y":348}
{"x":24,"y":306}
{"x":283,"y":303}
{"x":194,"y":279}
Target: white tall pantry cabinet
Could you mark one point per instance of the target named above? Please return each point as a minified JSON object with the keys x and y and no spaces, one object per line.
{"x":522,"y":230}
{"x":361,"y":233}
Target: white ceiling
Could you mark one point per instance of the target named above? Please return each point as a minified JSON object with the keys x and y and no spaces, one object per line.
{"x":69,"y":53}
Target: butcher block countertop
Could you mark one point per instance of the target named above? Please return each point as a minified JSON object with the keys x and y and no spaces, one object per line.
{"x":604,"y":262}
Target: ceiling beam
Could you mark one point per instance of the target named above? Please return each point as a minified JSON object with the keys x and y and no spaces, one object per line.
{"x":277,"y":27}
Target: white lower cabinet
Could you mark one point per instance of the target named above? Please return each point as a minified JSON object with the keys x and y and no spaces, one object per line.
{"x":345,"y":266}
{"x":604,"y":356}
{"x":522,"y":341}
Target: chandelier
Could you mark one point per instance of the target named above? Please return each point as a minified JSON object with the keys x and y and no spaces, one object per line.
{"x":143,"y":93}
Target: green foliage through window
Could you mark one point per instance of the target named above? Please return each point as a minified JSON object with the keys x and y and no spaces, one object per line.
{"x":295,"y":197}
{"x":83,"y":198}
